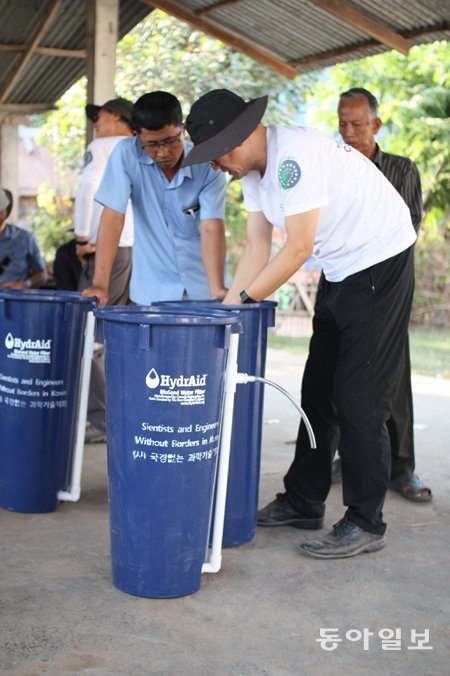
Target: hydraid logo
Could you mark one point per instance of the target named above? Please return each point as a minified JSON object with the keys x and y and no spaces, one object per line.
{"x":152,"y":379}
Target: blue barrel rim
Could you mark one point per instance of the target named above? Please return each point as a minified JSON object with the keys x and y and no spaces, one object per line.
{"x":262,"y":305}
{"x":166,"y":318}
{"x":45,"y":295}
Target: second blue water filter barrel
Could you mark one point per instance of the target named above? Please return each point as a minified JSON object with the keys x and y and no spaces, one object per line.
{"x":164,"y":398}
{"x":41,"y":345}
{"x":245,"y":459}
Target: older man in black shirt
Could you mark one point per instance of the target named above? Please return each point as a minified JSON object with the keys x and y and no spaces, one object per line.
{"x":358,"y":124}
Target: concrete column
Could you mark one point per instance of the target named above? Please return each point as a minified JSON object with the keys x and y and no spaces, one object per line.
{"x":101,"y":42}
{"x":9,"y":154}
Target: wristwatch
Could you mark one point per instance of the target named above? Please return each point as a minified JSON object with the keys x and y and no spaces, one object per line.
{"x":28,"y":283}
{"x":245,"y":298}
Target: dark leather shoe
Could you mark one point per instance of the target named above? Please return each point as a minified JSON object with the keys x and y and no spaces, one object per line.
{"x":346,"y":539}
{"x":281,"y":513}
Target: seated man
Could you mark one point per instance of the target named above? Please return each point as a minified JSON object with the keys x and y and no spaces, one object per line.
{"x":21,"y":263}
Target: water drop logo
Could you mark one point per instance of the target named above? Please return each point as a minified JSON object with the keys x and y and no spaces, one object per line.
{"x":9,"y":342}
{"x":152,"y":379}
{"x":289,"y":174}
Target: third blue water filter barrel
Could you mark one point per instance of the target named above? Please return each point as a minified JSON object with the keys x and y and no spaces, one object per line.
{"x":41,"y":344}
{"x":245,"y":458}
{"x":164,"y":397}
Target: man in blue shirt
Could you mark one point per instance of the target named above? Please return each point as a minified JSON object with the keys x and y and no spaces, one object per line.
{"x":21,"y":263}
{"x":179,"y":247}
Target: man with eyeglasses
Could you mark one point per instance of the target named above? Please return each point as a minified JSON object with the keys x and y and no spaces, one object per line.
{"x":179,"y":249}
{"x":21,"y":263}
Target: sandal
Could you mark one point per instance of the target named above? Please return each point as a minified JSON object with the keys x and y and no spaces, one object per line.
{"x":410,"y":486}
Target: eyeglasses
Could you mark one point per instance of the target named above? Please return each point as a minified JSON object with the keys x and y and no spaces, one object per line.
{"x":166,"y":143}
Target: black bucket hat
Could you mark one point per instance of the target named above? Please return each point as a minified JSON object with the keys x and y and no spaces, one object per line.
{"x":218,"y":122}
{"x":121,"y":106}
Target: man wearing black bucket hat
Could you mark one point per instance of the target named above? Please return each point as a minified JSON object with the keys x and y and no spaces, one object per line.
{"x":335,"y":206}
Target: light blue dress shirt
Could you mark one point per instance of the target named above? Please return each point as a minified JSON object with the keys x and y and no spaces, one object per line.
{"x":167,"y":261}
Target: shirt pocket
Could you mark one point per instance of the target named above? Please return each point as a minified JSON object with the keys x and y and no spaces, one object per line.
{"x":190,"y":226}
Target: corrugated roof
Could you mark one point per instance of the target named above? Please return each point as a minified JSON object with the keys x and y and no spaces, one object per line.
{"x":289,"y":35}
{"x":48,"y":75}
{"x":302,"y":35}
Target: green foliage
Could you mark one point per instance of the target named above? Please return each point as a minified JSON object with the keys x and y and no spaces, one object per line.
{"x":164,"y":53}
{"x":52,"y":220}
{"x":414,"y":103}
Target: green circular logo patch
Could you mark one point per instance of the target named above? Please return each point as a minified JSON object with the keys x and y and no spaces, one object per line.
{"x":289,"y":174}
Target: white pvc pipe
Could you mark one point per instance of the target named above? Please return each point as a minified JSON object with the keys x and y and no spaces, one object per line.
{"x":72,"y":494}
{"x":214,"y":562}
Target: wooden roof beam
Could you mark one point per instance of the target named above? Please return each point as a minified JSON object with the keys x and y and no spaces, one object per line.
{"x":217,"y":5}
{"x":48,"y":20}
{"x":346,"y":13}
{"x":227,"y":36}
{"x":46,"y":51}
{"x":26,"y":108}
{"x":360,"y":47}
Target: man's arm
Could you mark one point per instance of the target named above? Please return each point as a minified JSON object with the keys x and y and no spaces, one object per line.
{"x":212,"y":232}
{"x":411,"y":191}
{"x":301,"y":232}
{"x":36,"y":279}
{"x":255,"y":256}
{"x":111,"y":226}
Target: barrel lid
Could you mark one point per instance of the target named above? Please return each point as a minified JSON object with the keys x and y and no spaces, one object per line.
{"x":172,"y":317}
{"x":45,"y":295}
{"x":263,"y":305}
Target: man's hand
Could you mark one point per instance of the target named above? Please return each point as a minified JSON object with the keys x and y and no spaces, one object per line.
{"x":232,"y":298}
{"x":13,"y":285}
{"x":219,"y":294}
{"x":99,"y":292}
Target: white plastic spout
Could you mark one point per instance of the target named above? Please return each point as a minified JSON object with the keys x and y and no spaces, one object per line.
{"x":214,"y":563}
{"x":72,"y":494}
{"x":244,"y":378}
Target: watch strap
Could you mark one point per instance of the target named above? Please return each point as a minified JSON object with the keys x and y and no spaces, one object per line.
{"x":245,"y":298}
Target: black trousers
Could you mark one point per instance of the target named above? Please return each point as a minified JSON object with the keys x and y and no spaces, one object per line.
{"x":359,"y":333}
{"x":401,"y":423}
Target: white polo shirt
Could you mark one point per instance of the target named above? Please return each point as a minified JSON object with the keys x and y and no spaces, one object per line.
{"x":87,"y":211}
{"x":362,"y":221}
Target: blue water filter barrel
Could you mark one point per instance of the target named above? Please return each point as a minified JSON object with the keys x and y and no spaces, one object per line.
{"x":41,"y":347}
{"x":164,"y":398}
{"x":245,"y":455}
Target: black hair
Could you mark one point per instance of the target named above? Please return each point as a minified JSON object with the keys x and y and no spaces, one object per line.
{"x":155,"y":110}
{"x":8,"y":209}
{"x":354,"y":92}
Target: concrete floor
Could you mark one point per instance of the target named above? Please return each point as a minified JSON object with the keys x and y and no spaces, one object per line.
{"x":261,"y":615}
